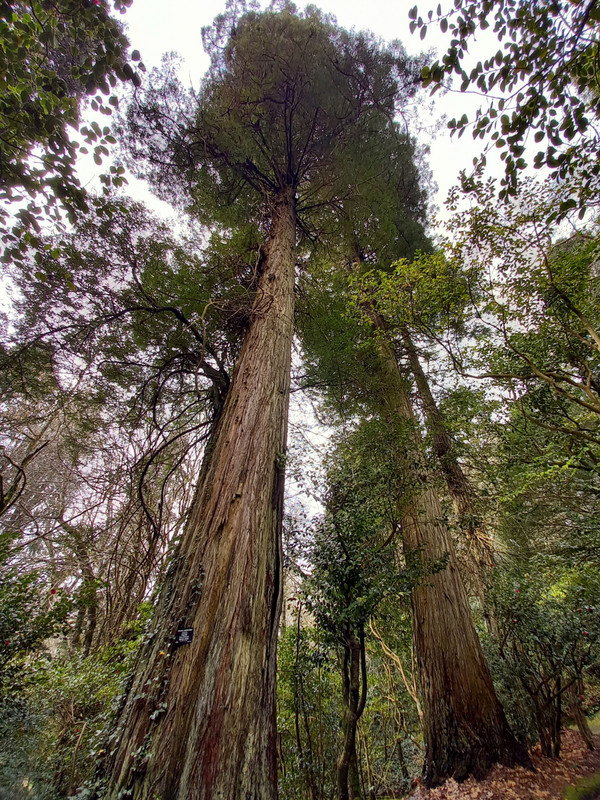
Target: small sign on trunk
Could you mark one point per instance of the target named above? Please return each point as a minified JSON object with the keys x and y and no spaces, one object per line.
{"x":184,"y":636}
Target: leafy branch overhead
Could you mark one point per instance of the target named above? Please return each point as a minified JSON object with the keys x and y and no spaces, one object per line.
{"x":54,"y":58}
{"x":541,"y":84}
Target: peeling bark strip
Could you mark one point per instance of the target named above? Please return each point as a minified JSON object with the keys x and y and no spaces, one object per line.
{"x":198,"y":722}
{"x":465,"y":728}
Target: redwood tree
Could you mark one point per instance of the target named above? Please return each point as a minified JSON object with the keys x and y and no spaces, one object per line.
{"x":289,"y":105}
{"x":465,"y":728}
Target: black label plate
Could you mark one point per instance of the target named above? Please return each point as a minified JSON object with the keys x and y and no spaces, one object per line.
{"x":184,"y":636}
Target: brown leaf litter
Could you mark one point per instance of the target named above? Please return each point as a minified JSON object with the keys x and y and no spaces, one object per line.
{"x":548,"y":782}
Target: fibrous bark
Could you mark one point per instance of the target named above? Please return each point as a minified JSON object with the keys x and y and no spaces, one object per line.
{"x":459,"y":486}
{"x":199,"y":721}
{"x":465,"y":729}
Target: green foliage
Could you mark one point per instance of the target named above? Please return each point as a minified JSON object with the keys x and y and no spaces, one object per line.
{"x":587,"y":789}
{"x":30,"y":612}
{"x":545,"y":489}
{"x":389,"y":727}
{"x":51,"y":56}
{"x":354,"y":557}
{"x":309,"y":695}
{"x":547,"y":637}
{"x":535,"y":307}
{"x":511,"y":693}
{"x":351,"y":574}
{"x":308,"y":712}
{"x":426,"y":295}
{"x":545,"y":72}
{"x":339,"y":357}
{"x":53,"y":732}
{"x":304,"y":115}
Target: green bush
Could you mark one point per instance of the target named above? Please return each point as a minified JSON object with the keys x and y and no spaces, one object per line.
{"x":309,"y":712}
{"x":53,"y":731}
{"x":546,"y":641}
{"x":587,"y":789}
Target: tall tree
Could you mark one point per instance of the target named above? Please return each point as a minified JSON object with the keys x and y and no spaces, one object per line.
{"x":277,"y":127}
{"x":417,"y":296}
{"x":466,"y":731}
{"x":421,"y":301}
{"x":465,"y":727}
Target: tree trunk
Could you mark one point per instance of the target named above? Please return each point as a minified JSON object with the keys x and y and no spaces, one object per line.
{"x":306,"y":758}
{"x":557,"y":722}
{"x":401,"y":759}
{"x":354,"y":684}
{"x":547,"y":700}
{"x":198,"y":722}
{"x":465,"y":729}
{"x":354,"y":786}
{"x":544,"y":726}
{"x":574,"y":695}
{"x":87,"y":616}
{"x":459,"y":487}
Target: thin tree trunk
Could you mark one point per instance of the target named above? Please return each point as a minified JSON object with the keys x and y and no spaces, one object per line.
{"x":401,"y":759}
{"x":87,"y":616}
{"x":465,"y":729}
{"x":349,"y":744}
{"x":198,"y":722}
{"x":556,"y":711}
{"x":370,"y":788}
{"x":583,"y":726}
{"x":310,"y":759}
{"x":306,"y":759}
{"x":354,"y":684}
{"x":574,"y":694}
{"x":544,"y":727}
{"x":354,"y":782}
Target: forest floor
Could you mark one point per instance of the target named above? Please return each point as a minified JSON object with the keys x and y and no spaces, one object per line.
{"x":548,"y":782}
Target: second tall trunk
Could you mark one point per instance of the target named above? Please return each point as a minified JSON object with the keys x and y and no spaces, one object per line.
{"x":465,"y":728}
